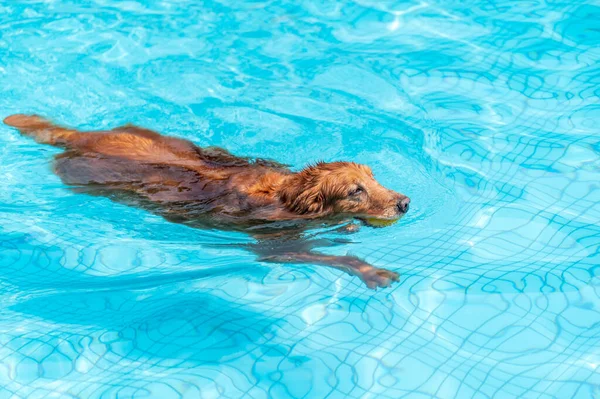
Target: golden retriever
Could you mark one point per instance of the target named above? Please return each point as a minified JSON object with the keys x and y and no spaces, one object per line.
{"x":209,"y":187}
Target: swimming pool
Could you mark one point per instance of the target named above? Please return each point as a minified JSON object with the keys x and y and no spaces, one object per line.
{"x":484,"y":113}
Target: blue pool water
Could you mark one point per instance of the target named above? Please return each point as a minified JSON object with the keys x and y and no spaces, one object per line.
{"x":485,"y":113}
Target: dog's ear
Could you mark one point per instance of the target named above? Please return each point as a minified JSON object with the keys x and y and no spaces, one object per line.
{"x":302,"y":193}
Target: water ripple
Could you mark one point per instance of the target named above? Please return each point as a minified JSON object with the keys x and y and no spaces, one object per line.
{"x":485,"y":113}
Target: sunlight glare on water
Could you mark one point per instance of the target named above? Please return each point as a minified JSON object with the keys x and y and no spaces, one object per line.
{"x":484,"y":113}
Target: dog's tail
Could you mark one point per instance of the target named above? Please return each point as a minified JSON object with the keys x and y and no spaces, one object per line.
{"x":41,"y":130}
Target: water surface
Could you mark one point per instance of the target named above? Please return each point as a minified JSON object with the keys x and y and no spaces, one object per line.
{"x":484,"y":113}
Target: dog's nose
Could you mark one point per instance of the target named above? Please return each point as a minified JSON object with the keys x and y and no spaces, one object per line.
{"x":402,"y":205}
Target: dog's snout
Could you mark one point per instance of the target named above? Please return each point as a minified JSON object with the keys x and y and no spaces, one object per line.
{"x":402,"y":205}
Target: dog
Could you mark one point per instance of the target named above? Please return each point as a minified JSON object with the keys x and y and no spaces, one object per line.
{"x":211,"y":188}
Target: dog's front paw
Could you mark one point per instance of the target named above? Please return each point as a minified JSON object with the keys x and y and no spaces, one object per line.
{"x":378,"y":278}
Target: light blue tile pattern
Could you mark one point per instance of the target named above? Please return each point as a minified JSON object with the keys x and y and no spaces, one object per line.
{"x":487,"y":113}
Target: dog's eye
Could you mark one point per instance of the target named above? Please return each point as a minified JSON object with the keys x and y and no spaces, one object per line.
{"x":356,"y":191}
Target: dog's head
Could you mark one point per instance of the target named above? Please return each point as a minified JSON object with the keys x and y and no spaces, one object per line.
{"x":343,"y":188}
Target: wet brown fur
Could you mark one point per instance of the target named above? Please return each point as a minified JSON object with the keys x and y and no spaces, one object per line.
{"x":210,"y":186}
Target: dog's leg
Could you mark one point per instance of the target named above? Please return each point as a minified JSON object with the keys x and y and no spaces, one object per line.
{"x":372,"y":276}
{"x":348,"y":228}
{"x":42,"y":130}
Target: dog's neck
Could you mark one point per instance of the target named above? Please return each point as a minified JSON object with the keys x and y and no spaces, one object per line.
{"x":298,"y":193}
{"x":271,"y":185}
{"x":295,"y":192}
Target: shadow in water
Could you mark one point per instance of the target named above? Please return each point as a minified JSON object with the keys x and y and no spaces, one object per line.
{"x":165,"y":323}
{"x":169,"y":314}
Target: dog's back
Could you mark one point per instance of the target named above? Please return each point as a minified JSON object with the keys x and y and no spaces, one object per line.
{"x":133,"y":143}
{"x":127,"y":142}
{"x":162,"y":169}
